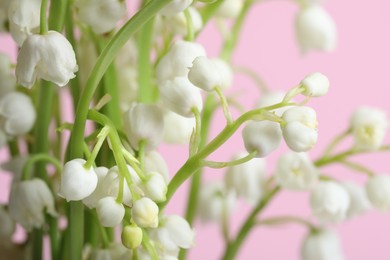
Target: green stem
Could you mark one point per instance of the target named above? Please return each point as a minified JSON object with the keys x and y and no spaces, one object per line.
{"x":225,"y":105}
{"x":101,"y":138}
{"x":218,"y":165}
{"x":146,"y":243}
{"x":209,"y":11}
{"x":13,"y":147}
{"x":103,"y":234}
{"x":233,"y":247}
{"x":37,"y":243}
{"x":357,"y":167}
{"x":279,"y":220}
{"x":53,"y":234}
{"x":42,"y":157}
{"x":43,"y":18}
{"x":336,"y":141}
{"x":190,"y":26}
{"x":195,"y":137}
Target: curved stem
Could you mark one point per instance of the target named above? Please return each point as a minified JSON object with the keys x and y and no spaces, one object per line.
{"x":43,"y":19}
{"x":279,"y":220}
{"x":190,"y":26}
{"x":225,"y":105}
{"x":336,"y":141}
{"x":218,"y":165}
{"x":42,"y":157}
{"x":195,"y":137}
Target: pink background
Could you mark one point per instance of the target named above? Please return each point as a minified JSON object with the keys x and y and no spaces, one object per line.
{"x":359,"y":75}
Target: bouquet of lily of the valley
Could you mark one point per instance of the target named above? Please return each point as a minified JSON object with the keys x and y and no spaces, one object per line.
{"x":88,"y":175}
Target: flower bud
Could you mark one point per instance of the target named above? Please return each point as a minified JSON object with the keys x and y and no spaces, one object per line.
{"x":324,"y":245}
{"x":77,"y":182}
{"x":155,"y":187}
{"x":175,"y":6}
{"x":141,"y":122}
{"x":358,"y":198}
{"x":17,"y":114}
{"x":329,"y":201}
{"x":300,"y":129}
{"x":7,"y":226}
{"x":378,"y":191}
{"x":315,"y":29}
{"x":110,"y":212}
{"x":204,"y":74}
{"x":177,"y":129}
{"x":229,"y":9}
{"x":273,"y":98}
{"x":28,"y":200}
{"x":177,"y":61}
{"x":180,"y":96}
{"x":101,"y":15}
{"x":131,"y":237}
{"x":263,"y":137}
{"x":315,"y":85}
{"x":92,"y":200}
{"x":145,"y":213}
{"x":225,"y":73}
{"x":49,"y":56}
{"x":154,"y":162}
{"x":369,"y":127}
{"x":295,"y":171}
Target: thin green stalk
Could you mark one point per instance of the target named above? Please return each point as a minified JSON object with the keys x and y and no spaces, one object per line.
{"x":336,"y":141}
{"x":43,"y":19}
{"x":195,"y":137}
{"x":190,"y":27}
{"x":146,"y":243}
{"x":280,"y":220}
{"x":208,"y":12}
{"x":13,"y":147}
{"x":235,"y":244}
{"x":218,"y":165}
{"x":41,"y":157}
{"x":225,"y":105}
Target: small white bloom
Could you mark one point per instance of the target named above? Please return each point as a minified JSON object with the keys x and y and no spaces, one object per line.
{"x":378,"y":191}
{"x":315,"y":29}
{"x":111,"y":184}
{"x":155,"y":187}
{"x":110,"y":212}
{"x":127,"y":77}
{"x":77,"y":182}
{"x":178,"y":23}
{"x":145,"y":213}
{"x":178,"y":59}
{"x":49,"y":56}
{"x":131,"y":237}
{"x":300,"y":129}
{"x":295,"y":171}
{"x":315,"y":85}
{"x":7,"y":79}
{"x":14,"y":166}
{"x":247,"y":179}
{"x":273,"y":98}
{"x":180,"y":96}
{"x":17,"y":114}
{"x":173,"y":233}
{"x":101,"y":15}
{"x":28,"y":200}
{"x":154,"y":162}
{"x":92,"y":200}
{"x":324,"y":245}
{"x":177,"y":128}
{"x":7,"y":226}
{"x":215,"y":202}
{"x":141,"y":122}
{"x":175,"y":6}
{"x":204,"y":74}
{"x":263,"y":137}
{"x":329,"y":201}
{"x":369,"y":126}
{"x":225,"y":72}
{"x":358,"y":197}
{"x":24,"y":18}
{"x":229,"y":9}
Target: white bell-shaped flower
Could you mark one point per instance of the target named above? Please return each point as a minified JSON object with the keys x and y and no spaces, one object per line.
{"x":173,"y":233}
{"x":17,"y":114}
{"x":92,"y":200}
{"x":225,"y":72}
{"x":24,"y":18}
{"x":315,"y":29}
{"x":178,"y":23}
{"x":154,"y":162}
{"x":178,"y":59}
{"x":101,"y":15}
{"x":155,"y":187}
{"x":247,"y":180}
{"x":15,"y":166}
{"x":359,"y":202}
{"x":28,"y":201}
{"x":115,"y":251}
{"x":111,"y":184}
{"x":180,"y":96}
{"x":131,"y":237}
{"x":110,"y":212}
{"x":315,"y":85}
{"x":7,"y":226}
{"x":77,"y":182}
{"x":204,"y":74}
{"x":273,"y":98}
{"x":300,"y":128}
{"x":145,"y":213}
{"x":49,"y":56}
{"x":229,"y":9}
{"x":329,"y":201}
{"x":175,"y":6}
{"x":322,"y":245}
{"x":295,"y":171}
{"x":263,"y":137}
{"x":7,"y":79}
{"x":369,"y":127}
{"x":177,"y":128}
{"x":215,"y":202}
{"x":378,"y":191}
{"x":141,"y":122}
{"x":127,"y":77}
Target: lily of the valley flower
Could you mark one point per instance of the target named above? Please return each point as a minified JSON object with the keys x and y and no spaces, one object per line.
{"x":110,"y":212}
{"x":175,"y":6}
{"x":204,"y":74}
{"x":177,"y":128}
{"x":7,"y":226}
{"x":315,"y":85}
{"x":229,"y":9}
{"x":155,"y":187}
{"x":378,"y":191}
{"x":359,"y":202}
{"x":145,"y":213}
{"x":92,"y":200}
{"x":49,"y":56}
{"x":154,"y":162}
{"x":77,"y":182}
{"x":131,"y":237}
{"x":322,"y":245}
{"x":178,"y":23}
{"x":315,"y":29}
{"x":300,"y":128}
{"x":28,"y":202}
{"x":101,"y":15}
